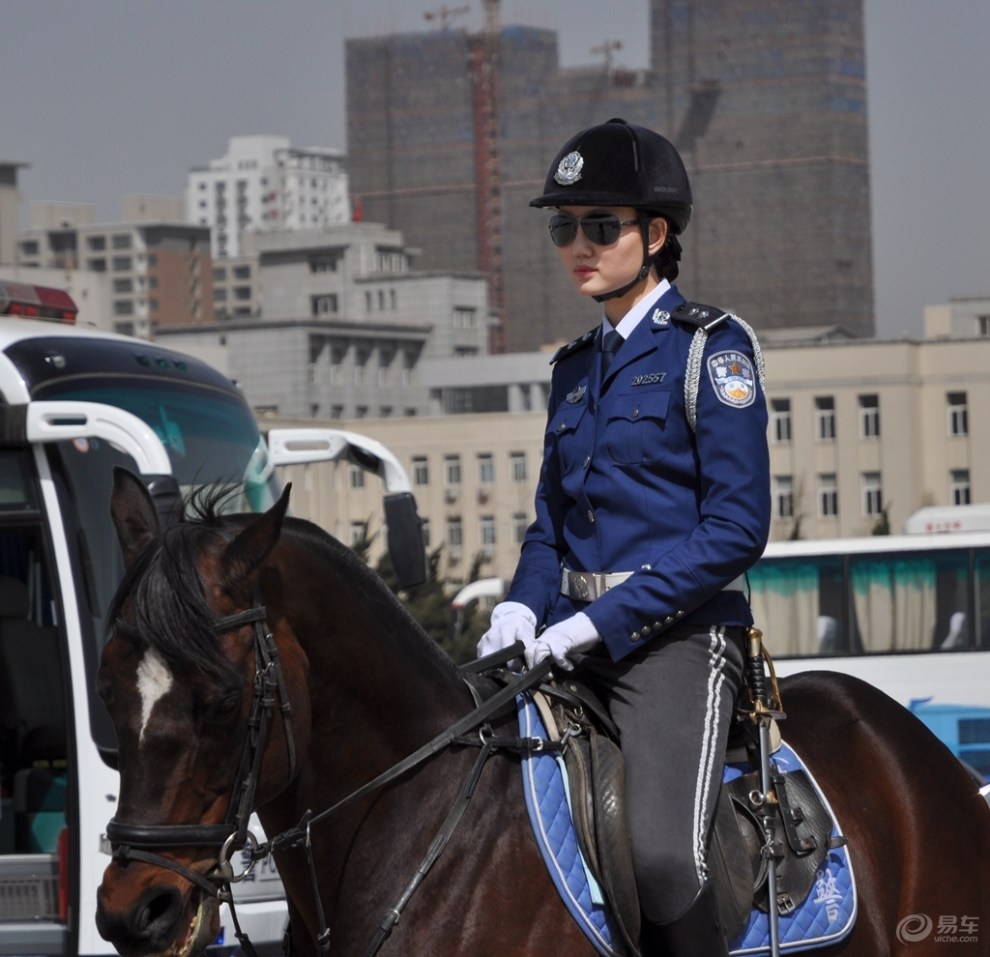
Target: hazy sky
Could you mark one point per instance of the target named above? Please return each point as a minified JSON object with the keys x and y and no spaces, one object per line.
{"x":108,"y":97}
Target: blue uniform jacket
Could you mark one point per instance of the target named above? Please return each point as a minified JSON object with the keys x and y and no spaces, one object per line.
{"x":625,"y":484}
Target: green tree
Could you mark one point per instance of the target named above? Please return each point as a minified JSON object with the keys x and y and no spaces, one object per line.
{"x":882,"y":525}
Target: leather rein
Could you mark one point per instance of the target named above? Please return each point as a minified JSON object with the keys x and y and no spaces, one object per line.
{"x":142,"y":842}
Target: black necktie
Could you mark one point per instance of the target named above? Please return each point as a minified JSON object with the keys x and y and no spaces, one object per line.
{"x":610,"y":346}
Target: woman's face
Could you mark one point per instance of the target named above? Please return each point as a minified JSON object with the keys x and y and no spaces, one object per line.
{"x":598,"y":269}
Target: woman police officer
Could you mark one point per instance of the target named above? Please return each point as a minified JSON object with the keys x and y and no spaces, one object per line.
{"x":652,"y":502}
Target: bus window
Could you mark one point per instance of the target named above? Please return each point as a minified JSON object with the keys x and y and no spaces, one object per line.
{"x":981,"y":584}
{"x":910,"y":602}
{"x":16,"y":491}
{"x":798,"y":604}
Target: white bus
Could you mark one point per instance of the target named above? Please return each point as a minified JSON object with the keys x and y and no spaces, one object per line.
{"x":73,"y":404}
{"x":907,"y":613}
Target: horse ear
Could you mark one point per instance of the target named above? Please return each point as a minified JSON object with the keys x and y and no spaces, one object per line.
{"x":251,"y":546}
{"x":134,"y":514}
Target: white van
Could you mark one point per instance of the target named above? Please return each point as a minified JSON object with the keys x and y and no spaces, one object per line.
{"x":73,"y":404}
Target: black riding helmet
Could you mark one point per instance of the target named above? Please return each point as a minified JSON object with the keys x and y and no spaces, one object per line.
{"x":619,"y":164}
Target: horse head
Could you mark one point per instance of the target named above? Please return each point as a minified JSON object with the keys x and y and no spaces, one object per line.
{"x":198,"y":676}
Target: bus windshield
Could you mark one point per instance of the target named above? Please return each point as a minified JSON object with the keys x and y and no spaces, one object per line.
{"x":209,"y":434}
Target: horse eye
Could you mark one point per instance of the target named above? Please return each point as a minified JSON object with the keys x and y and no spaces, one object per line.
{"x":106,"y":689}
{"x":225,"y":704}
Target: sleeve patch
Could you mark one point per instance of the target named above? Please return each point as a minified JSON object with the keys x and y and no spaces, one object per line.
{"x":732,"y":378}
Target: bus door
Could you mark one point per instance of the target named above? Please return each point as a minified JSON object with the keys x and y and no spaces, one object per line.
{"x":35,"y":724}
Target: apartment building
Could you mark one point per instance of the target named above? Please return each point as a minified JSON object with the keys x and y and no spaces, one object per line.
{"x":159,"y":272}
{"x":264,"y":184}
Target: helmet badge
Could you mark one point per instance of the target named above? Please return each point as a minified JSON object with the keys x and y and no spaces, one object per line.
{"x":569,"y":169}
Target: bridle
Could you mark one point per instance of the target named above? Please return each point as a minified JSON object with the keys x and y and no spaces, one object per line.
{"x":142,"y":842}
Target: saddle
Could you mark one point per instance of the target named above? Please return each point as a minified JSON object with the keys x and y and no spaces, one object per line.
{"x":738,"y":843}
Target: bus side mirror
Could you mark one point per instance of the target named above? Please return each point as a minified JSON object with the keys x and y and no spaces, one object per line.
{"x":405,"y":539}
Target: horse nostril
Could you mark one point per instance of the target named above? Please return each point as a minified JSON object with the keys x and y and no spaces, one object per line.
{"x":148,"y":928}
{"x":161,"y":908}
{"x":153,"y":921}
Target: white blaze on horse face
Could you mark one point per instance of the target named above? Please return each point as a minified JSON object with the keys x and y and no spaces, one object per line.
{"x":154,"y":681}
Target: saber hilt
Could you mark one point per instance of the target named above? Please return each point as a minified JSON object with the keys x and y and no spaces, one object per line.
{"x":766,"y":707}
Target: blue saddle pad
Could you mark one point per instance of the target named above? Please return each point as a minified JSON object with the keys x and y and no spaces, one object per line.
{"x":825,"y":916}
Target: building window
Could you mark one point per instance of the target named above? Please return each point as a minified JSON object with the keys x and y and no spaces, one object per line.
{"x":323,"y":305}
{"x":869,"y":417}
{"x":464,"y":318}
{"x":121,"y":241}
{"x":452,"y":469}
{"x":825,"y":418}
{"x":421,"y":470}
{"x":784,"y":495}
{"x":828,"y":496}
{"x":958,"y":413}
{"x":359,"y":534}
{"x":455,"y":537}
{"x":959,"y":491}
{"x":357,"y":477}
{"x":520,"y":523}
{"x":486,"y":468}
{"x":983,"y":326}
{"x":487,"y":528}
{"x":121,"y":263}
{"x":780,"y":419}
{"x":518,"y":463}
{"x":872,"y":493}
{"x":325,"y":263}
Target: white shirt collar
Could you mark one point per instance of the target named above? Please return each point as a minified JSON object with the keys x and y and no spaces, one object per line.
{"x":632,"y":318}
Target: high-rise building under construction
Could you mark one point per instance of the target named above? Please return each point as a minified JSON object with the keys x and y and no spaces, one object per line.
{"x":450,"y":135}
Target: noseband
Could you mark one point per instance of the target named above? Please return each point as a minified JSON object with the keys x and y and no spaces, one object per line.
{"x":140,"y":842}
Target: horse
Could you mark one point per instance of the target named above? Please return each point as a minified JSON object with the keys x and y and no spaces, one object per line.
{"x":354,"y":687}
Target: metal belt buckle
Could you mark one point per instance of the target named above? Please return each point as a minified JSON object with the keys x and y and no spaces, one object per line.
{"x":580,"y":586}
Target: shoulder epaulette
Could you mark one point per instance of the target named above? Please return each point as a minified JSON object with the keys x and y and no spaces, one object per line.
{"x":574,"y":345}
{"x":703,"y":317}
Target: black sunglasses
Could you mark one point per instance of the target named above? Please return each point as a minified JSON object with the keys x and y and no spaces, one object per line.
{"x":602,"y":229}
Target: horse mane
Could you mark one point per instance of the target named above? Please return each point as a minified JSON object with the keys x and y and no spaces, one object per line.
{"x":369,"y":589}
{"x":163,"y":588}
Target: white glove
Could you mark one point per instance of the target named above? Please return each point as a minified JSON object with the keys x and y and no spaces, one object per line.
{"x":572,"y":636}
{"x":511,"y":622}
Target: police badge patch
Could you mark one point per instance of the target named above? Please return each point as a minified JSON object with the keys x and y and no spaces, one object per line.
{"x":732,"y":378}
{"x":569,"y":169}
